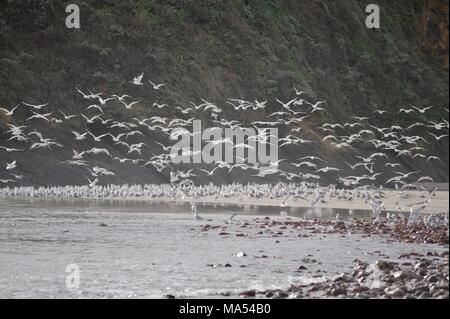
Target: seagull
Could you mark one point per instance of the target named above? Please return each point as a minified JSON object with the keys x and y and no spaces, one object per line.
{"x":230,"y":219}
{"x":17,"y":177}
{"x":415,"y":125}
{"x":36,"y":107}
{"x":11,"y":166}
{"x":279,"y":113}
{"x":138,"y":79}
{"x":97,"y":151}
{"x":95,"y":106}
{"x":327,"y":169}
{"x":133,"y":133}
{"x":67,"y":117}
{"x":194,"y":211}
{"x":393,"y":165}
{"x":185,"y":111}
{"x":377,"y":208}
{"x":103,"y":101}
{"x":156,"y":86}
{"x":209,"y":173}
{"x":433,"y":158}
{"x":92,"y":183}
{"x":7,"y":112}
{"x":165,"y":148}
{"x":77,"y":156}
{"x":421,"y":111}
{"x":380,"y":112}
{"x":400,"y":176}
{"x":317,"y":198}
{"x":438,"y":138}
{"x":417,"y":208}
{"x":352,"y":125}
{"x":9,"y":150}
{"x":79,"y":137}
{"x":159,"y":106}
{"x":39,"y":116}
{"x":425,"y":179}
{"x":116,"y":138}
{"x":315,"y":107}
{"x":86,"y":96}
{"x":259,"y":105}
{"x":75,"y":162}
{"x":6,"y":181}
{"x":284,"y":200}
{"x":360,"y":118}
{"x":418,"y":155}
{"x":97,"y":138}
{"x":120,"y":98}
{"x":407,"y":111}
{"x":40,"y":145}
{"x":90,"y":120}
{"x":305,"y":163}
{"x":297,"y":92}
{"x":120,"y":125}
{"x":128,"y":106}
{"x":330,"y":137}
{"x":286,"y":105}
{"x":353,"y":167}
{"x":104,"y":122}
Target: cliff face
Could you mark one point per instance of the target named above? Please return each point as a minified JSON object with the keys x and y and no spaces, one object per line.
{"x":432,"y":29}
{"x":249,"y":49}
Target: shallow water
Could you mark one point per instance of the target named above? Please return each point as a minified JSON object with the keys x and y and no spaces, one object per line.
{"x":156,"y":206}
{"x":150,"y":250}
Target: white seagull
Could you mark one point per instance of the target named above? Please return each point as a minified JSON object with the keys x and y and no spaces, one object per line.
{"x":7,"y":112}
{"x":138,"y":79}
{"x":156,"y":86}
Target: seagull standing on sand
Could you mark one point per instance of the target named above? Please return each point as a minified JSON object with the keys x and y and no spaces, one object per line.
{"x":194,"y":211}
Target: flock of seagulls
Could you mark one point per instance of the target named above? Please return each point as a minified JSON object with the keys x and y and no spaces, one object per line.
{"x":375,"y":155}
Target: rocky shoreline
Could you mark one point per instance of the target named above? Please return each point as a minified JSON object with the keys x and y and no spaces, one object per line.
{"x":422,"y":279}
{"x":413,"y":275}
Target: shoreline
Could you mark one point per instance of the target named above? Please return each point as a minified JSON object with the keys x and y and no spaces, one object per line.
{"x":440,"y":203}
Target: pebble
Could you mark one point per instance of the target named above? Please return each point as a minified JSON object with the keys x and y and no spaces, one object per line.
{"x":394,"y":292}
{"x":248,"y":293}
{"x":405,"y":274}
{"x":432,"y":278}
{"x":280,"y":294}
{"x":338,"y":291}
{"x":384,"y":265}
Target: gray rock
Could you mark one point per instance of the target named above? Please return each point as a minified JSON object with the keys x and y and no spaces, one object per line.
{"x":432,"y":278}
{"x":395,"y":292}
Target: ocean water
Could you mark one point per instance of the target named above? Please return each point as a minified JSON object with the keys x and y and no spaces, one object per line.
{"x":149,"y":250}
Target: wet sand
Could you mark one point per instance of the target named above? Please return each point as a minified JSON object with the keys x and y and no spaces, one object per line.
{"x":439,"y":204}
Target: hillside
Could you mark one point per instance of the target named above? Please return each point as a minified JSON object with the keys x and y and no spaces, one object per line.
{"x":215,"y":50}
